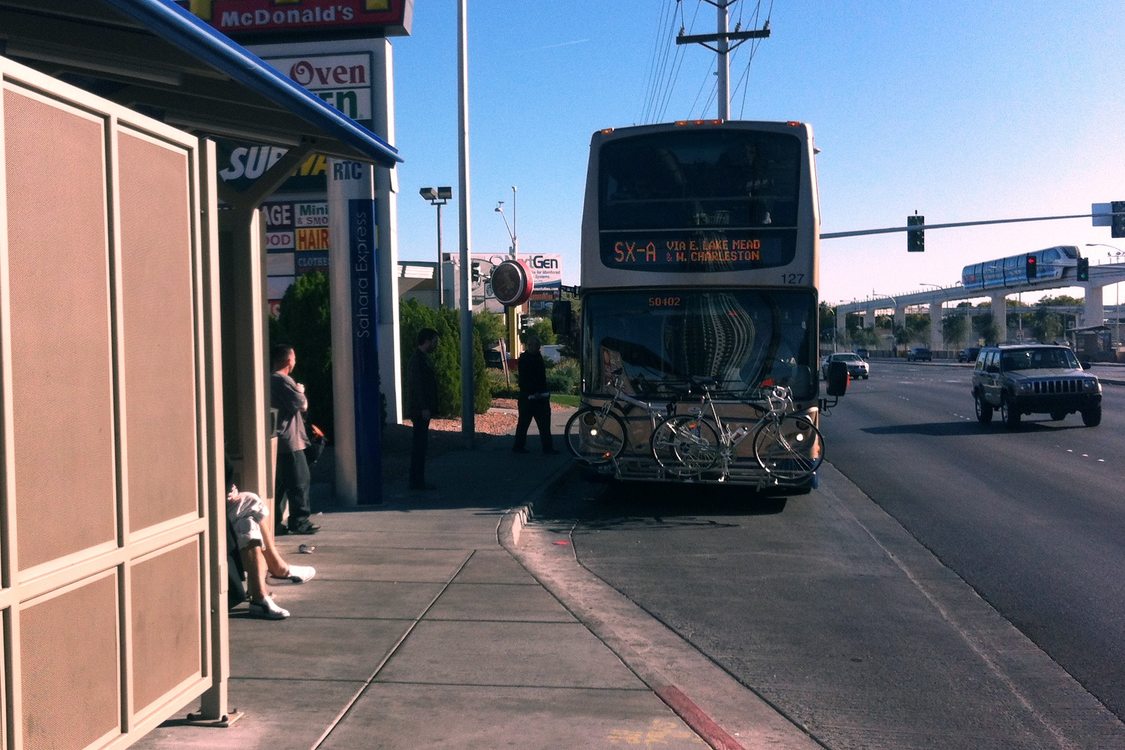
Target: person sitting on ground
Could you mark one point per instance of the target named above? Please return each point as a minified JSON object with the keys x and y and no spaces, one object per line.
{"x":247,"y":515}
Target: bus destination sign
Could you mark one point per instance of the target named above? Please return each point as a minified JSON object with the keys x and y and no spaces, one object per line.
{"x":672,"y":251}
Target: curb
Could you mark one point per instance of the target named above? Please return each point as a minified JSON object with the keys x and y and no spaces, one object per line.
{"x":673,"y":669}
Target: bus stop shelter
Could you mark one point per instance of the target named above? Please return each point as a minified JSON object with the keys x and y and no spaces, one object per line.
{"x":132,"y":354}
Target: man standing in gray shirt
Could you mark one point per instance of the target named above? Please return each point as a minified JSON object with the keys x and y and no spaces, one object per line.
{"x":292,"y":483}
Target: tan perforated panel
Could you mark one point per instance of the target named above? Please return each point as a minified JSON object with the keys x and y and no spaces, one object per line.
{"x":166,"y":623}
{"x":61,"y":384}
{"x":158,"y":324}
{"x":69,"y":654}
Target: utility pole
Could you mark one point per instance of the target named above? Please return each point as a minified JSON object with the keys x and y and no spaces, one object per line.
{"x":722,"y":38}
{"x":468,"y":418}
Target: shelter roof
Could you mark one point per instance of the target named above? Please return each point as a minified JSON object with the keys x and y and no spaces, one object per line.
{"x":155,"y":57}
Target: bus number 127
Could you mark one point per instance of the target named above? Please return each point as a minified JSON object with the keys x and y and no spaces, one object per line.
{"x":792,"y":278}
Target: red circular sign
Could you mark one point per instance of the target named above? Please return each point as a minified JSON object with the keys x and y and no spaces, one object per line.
{"x":511,"y":283}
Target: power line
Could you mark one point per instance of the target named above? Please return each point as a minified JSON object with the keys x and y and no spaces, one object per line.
{"x":659,"y":61}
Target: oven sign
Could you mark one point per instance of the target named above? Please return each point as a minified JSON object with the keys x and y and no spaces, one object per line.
{"x":342,"y":80}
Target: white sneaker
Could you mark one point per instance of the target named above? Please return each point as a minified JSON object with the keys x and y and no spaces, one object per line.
{"x":297,"y":574}
{"x":267,"y":610}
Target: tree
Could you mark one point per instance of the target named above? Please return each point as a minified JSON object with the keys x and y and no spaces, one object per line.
{"x":917,"y":327}
{"x":543,"y":331}
{"x":491,"y":328}
{"x":304,"y":322}
{"x":413,"y":317}
{"x":826,"y":315}
{"x":953,"y":329}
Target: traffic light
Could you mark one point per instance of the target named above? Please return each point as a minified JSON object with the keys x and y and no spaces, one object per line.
{"x":1117,"y":223}
{"x":1083,"y":273}
{"x":1031,"y":267}
{"x":915,"y":238}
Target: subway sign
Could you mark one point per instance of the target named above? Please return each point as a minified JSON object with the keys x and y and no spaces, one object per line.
{"x":240,"y":19}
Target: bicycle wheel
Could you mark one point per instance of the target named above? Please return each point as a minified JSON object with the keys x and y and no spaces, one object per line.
{"x":789,"y":448}
{"x":594,"y":436}
{"x":685,"y":446}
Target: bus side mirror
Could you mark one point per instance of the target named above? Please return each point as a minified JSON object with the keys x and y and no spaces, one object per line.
{"x":560,"y":318}
{"x":837,"y":379}
{"x":563,"y":322}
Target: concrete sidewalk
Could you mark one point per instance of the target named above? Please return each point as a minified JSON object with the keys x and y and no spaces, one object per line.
{"x":422,"y":630}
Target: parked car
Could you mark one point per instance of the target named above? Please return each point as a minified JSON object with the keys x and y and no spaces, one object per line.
{"x":969,"y":354}
{"x":493,"y":358}
{"x":857,"y":368}
{"x":551,"y":352}
{"x":1034,"y":379}
{"x":919,"y":354}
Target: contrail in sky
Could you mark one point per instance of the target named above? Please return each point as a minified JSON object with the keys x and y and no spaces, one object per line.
{"x":560,"y":44}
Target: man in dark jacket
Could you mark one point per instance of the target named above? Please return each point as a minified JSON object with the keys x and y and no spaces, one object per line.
{"x":421,"y":403}
{"x":535,"y":400}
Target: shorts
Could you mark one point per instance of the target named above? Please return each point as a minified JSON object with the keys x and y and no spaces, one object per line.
{"x":245,"y":512}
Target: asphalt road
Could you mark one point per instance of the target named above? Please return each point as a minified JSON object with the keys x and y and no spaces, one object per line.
{"x":1032,"y":519}
{"x":982,"y":608}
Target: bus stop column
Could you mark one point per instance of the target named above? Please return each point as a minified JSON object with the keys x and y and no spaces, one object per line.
{"x":214,"y":702}
{"x":246,"y":370}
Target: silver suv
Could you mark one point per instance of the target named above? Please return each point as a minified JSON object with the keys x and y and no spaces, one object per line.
{"x":1034,"y":379}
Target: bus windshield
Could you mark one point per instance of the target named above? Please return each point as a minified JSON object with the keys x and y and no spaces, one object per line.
{"x":743,"y":338}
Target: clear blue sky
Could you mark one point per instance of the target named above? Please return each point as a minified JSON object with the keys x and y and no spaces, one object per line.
{"x":960,"y":111}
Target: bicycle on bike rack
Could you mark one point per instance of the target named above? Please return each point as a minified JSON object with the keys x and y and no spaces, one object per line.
{"x":597,"y":435}
{"x":786,"y":446}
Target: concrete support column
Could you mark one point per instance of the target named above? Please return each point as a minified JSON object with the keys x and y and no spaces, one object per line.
{"x":1094,"y":313}
{"x":899,"y":322}
{"x":937,"y":341}
{"x":1000,"y":316}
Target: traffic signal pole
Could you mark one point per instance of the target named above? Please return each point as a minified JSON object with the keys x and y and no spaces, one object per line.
{"x":922,"y":227}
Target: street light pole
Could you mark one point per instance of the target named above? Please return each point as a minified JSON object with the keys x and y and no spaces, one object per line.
{"x":510,"y":312}
{"x":515,"y":237}
{"x":438,"y":197}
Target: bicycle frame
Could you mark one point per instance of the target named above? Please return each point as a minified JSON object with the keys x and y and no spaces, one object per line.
{"x":701,"y":445}
{"x":655,"y":413}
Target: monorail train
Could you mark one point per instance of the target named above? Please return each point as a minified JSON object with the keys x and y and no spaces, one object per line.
{"x":1053,"y":264}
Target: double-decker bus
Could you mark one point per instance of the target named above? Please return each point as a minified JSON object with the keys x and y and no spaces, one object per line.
{"x":700,"y":246}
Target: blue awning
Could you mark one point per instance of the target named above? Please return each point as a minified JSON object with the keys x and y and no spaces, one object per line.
{"x":156,"y":57}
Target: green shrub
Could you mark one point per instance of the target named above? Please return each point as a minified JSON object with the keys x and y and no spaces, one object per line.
{"x":413,"y":317}
{"x":563,"y":377}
